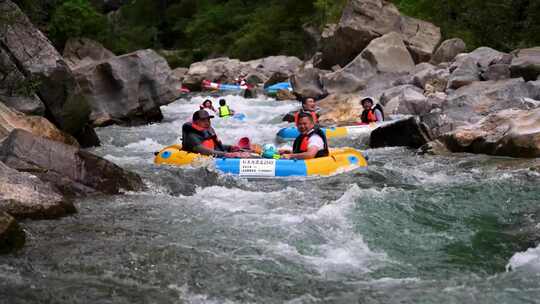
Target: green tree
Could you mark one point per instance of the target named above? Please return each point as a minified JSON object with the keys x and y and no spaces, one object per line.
{"x":76,"y":18}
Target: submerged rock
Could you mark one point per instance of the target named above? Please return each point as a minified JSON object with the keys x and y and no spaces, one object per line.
{"x":11,"y":235}
{"x":37,"y":125}
{"x":25,"y":196}
{"x":73,"y":171}
{"x":514,"y":133}
{"x":406,"y":132}
{"x":128,"y":89}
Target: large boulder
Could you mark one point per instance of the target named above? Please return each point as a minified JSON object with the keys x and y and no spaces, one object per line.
{"x":11,"y":119}
{"x":128,"y":89}
{"x":388,"y":54}
{"x":526,"y":63}
{"x":270,"y":65}
{"x":510,"y":132}
{"x":38,"y":60}
{"x":306,"y":82}
{"x":361,"y":22}
{"x":464,"y":73}
{"x":352,"y":78}
{"x":470,"y":104}
{"x":421,"y":38}
{"x":484,"y":57}
{"x":409,"y":100}
{"x":408,"y":132}
{"x":448,"y":50}
{"x":426,"y":74}
{"x":364,"y":20}
{"x":73,"y":171}
{"x":23,"y":195}
{"x":11,"y":235}
{"x":15,"y":90}
{"x":83,"y":51}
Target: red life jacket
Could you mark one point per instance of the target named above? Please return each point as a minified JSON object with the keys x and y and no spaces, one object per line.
{"x":208,"y":136}
{"x":368,"y":116}
{"x":209,"y":142}
{"x":300,"y":144}
{"x":313,"y":114}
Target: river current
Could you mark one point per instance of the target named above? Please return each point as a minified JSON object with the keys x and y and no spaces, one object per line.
{"x":409,"y":229}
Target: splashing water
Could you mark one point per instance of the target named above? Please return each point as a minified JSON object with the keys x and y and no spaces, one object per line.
{"x":410,"y":229}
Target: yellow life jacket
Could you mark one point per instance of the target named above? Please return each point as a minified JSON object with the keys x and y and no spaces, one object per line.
{"x":224,"y":111}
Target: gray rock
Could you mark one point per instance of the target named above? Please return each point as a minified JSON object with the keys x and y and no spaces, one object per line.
{"x":352,"y":78}
{"x":496,"y":72}
{"x":11,"y":235}
{"x":513,"y":133}
{"x":484,"y":57}
{"x":430,"y":75}
{"x":23,"y":195}
{"x":15,"y":90}
{"x":421,"y":38}
{"x":406,"y":132}
{"x":72,"y":171}
{"x":11,"y":119}
{"x":526,"y":63}
{"x":179,"y":73}
{"x":388,"y":54}
{"x":361,"y":22}
{"x":128,"y":89}
{"x":307,"y":82}
{"x":82,"y":51}
{"x":37,"y":59}
{"x":470,"y":104}
{"x":448,"y":50}
{"x":407,"y":101}
{"x":466,"y":72}
{"x":535,"y":89}
{"x":364,"y":20}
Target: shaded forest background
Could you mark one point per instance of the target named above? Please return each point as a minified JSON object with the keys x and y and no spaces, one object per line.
{"x":249,"y":29}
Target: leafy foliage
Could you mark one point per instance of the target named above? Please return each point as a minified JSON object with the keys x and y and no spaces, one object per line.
{"x":248,"y":29}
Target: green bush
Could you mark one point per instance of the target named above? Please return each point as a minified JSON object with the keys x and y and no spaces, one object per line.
{"x":76,"y":18}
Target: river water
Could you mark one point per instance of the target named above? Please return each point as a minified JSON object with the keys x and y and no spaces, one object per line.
{"x":410,"y":229}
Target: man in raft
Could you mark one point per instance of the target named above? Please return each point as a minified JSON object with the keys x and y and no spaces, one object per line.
{"x":371,"y":114}
{"x":309,"y":105}
{"x":311,"y":142}
{"x":198,"y":136}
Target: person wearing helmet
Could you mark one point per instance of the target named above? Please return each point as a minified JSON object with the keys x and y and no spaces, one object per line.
{"x":198,"y":136}
{"x":371,"y":114}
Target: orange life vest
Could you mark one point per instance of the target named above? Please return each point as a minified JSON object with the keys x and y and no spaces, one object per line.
{"x":313,"y":114}
{"x":301,"y":143}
